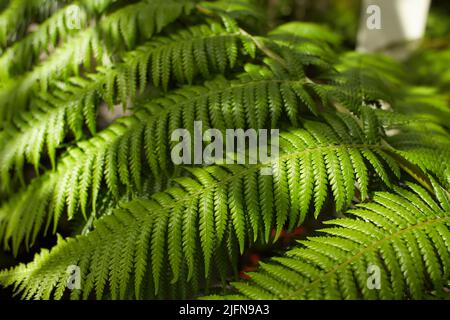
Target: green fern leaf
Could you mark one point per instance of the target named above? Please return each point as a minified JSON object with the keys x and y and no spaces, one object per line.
{"x":407,"y":250}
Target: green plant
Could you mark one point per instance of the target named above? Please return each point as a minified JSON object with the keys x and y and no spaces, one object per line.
{"x":355,"y":134}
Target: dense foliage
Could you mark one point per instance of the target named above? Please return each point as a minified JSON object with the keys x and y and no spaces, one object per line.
{"x":364,"y":148}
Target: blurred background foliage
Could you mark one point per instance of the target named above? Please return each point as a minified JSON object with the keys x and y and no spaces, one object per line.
{"x":340,"y":16}
{"x":431,"y":63}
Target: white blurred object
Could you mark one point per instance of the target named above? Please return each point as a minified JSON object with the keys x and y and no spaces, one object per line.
{"x":402,"y":25}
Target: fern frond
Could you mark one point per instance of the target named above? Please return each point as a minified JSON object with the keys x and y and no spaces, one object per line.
{"x":140,"y":225}
{"x":426,"y":104}
{"x":120,"y":28}
{"x":150,"y":129}
{"x":15,"y":19}
{"x":291,"y":43}
{"x":199,"y":50}
{"x":405,"y":235}
{"x":218,"y":105}
{"x":22,"y":55}
{"x":430,"y":68}
{"x":365,"y":79}
{"x":298,"y":32}
{"x":427,"y":145}
{"x":210,"y":208}
{"x":236,"y":9}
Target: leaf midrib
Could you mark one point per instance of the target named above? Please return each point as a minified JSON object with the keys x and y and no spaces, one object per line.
{"x":370,"y":248}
